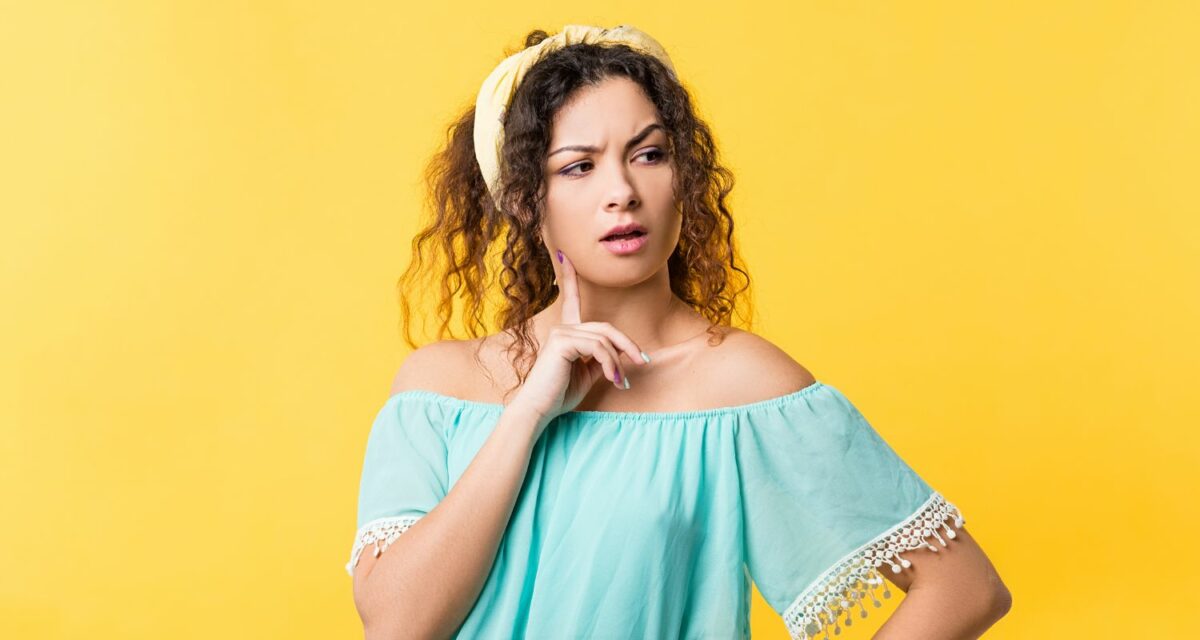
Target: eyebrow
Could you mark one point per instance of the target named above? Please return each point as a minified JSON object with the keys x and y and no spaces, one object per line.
{"x":632,"y":141}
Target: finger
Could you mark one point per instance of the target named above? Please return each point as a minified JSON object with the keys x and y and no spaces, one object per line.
{"x":603,"y":351}
{"x":569,"y":288}
{"x":618,"y":378}
{"x":618,"y":338}
{"x":597,"y":346}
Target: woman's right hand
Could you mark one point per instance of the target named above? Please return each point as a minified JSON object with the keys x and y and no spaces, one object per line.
{"x":574,"y":355}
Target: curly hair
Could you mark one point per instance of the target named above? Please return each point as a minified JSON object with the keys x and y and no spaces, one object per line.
{"x":467,"y":223}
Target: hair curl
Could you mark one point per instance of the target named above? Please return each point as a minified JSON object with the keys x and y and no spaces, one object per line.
{"x":466,"y":223}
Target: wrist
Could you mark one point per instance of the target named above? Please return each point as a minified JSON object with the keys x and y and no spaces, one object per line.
{"x":521,"y":414}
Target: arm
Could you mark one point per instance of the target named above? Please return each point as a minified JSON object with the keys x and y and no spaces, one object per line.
{"x":425,"y":583}
{"x":952,"y":594}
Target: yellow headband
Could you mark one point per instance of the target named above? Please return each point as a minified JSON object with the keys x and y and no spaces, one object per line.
{"x":498,"y":88}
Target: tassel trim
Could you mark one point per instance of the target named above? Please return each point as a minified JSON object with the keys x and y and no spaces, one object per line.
{"x":381,"y":532}
{"x":849,"y":582}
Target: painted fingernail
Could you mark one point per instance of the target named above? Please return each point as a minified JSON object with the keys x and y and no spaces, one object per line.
{"x":559,"y":255}
{"x":645,"y":356}
{"x":617,"y":376}
{"x":626,"y":383}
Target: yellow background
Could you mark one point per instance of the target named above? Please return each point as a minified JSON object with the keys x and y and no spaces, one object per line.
{"x":978,"y":220}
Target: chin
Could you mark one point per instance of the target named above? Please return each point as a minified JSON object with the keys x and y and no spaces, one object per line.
{"x":616,"y":281}
{"x":625,"y":271}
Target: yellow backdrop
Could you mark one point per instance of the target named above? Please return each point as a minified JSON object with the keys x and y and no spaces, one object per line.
{"x":979,"y":220}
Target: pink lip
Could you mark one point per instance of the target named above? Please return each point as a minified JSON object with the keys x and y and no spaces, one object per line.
{"x":625,"y":228}
{"x":625,"y":247}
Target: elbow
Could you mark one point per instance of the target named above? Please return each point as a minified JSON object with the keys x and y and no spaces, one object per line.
{"x":375,"y":628}
{"x":393,"y":616}
{"x":987,"y":607}
{"x":375,"y":631}
{"x":391,"y":631}
{"x":399,"y":626}
{"x":1001,"y":601}
{"x":385,"y":623}
{"x":376,"y":625}
{"x":984,"y":602}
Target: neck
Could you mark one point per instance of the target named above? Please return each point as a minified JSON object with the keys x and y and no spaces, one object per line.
{"x":648,"y":312}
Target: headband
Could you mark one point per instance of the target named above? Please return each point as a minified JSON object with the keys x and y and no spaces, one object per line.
{"x":499,"y":86}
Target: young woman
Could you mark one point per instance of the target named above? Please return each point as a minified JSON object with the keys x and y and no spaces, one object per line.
{"x":506,"y":493}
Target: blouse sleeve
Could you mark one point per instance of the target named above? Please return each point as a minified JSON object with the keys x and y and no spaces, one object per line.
{"x":404,"y":472}
{"x":826,"y":504}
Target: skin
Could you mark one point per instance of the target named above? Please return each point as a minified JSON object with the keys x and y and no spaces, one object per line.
{"x":954,"y":593}
{"x":589,"y":192}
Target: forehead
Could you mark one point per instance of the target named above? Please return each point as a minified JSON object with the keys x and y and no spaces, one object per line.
{"x":616,"y":105}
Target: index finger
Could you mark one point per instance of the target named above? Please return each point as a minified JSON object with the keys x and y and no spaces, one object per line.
{"x":569,"y":288}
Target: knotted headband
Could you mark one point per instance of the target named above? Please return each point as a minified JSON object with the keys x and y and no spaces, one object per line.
{"x":498,"y":88}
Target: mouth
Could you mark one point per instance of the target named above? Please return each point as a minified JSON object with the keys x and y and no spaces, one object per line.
{"x":627,"y":243}
{"x":623,"y":236}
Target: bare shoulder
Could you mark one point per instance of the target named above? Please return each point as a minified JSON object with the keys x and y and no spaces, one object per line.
{"x":752,"y":368}
{"x":438,"y":367}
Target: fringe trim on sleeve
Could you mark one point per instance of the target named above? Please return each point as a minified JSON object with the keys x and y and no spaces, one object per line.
{"x":848,"y":583}
{"x":382,"y":532}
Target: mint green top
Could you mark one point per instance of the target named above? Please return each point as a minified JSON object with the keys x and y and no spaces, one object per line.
{"x":653,"y":525}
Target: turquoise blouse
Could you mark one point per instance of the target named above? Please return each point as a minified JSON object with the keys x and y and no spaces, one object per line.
{"x":653,"y":524}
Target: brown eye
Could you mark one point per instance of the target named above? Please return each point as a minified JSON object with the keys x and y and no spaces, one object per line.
{"x":568,"y":171}
{"x":658,"y":155}
{"x":657,"y":152}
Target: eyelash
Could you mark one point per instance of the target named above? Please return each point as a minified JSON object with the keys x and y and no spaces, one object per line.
{"x":569,"y":171}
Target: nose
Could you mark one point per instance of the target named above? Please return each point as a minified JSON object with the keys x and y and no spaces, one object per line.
{"x":621,"y":194}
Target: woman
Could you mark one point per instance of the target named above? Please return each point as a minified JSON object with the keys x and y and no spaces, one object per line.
{"x":517,"y":498}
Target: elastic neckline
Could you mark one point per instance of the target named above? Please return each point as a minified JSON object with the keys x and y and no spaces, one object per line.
{"x":620,"y":415}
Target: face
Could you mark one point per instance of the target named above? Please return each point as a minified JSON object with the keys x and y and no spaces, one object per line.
{"x":609,"y":165}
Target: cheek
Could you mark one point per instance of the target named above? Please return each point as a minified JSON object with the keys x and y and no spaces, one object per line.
{"x":561,"y":227}
{"x":673,"y":230}
{"x":558,"y":202}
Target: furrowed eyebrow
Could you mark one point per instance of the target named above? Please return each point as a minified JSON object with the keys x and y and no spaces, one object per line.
{"x":632,"y":141}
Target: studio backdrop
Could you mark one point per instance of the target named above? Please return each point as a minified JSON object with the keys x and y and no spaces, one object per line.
{"x":979,"y":220}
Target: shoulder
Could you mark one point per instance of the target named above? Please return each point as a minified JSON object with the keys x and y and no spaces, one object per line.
{"x":752,"y":368}
{"x":437,"y":366}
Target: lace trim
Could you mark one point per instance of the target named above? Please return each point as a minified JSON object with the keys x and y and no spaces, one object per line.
{"x":382,"y":532}
{"x":856,"y":576}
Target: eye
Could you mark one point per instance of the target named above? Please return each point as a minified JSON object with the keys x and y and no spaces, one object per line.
{"x":658,"y":153}
{"x":569,"y":171}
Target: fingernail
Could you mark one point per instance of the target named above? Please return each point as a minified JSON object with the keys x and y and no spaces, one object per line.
{"x":645,"y":356}
{"x":617,"y":375}
{"x":626,"y":383}
{"x":559,"y":255}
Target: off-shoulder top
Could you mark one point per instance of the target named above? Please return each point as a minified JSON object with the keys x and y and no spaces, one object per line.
{"x":654,"y":524}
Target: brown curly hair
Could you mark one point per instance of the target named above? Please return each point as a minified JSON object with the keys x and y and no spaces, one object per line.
{"x":466,"y":221}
